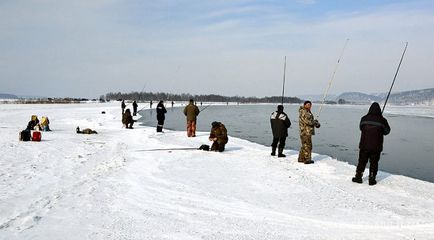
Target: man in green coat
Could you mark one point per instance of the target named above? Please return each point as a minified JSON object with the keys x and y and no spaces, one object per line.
{"x":191,"y":111}
{"x":307,"y":125}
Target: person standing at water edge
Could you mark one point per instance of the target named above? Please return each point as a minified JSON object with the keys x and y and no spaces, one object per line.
{"x":123,"y":106}
{"x":373,"y":126}
{"x":161,"y":111}
{"x":279,"y":125}
{"x":191,"y":111}
{"x":307,"y":125}
{"x":219,"y":136}
{"x":135,"y":108}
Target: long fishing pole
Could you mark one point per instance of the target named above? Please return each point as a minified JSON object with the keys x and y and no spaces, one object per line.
{"x":140,"y":93}
{"x":394,"y":78}
{"x":204,"y":108}
{"x":167,"y":149}
{"x":332,"y":78}
{"x":284,"y":74}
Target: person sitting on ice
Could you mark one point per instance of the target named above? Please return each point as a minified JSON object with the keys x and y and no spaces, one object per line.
{"x":127,"y":119}
{"x":85,"y":131}
{"x":219,"y":136}
{"x":33,"y":123}
{"x":45,"y":124}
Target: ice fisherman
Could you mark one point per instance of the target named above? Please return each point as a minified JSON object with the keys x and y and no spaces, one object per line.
{"x":161,"y":116}
{"x":219,"y":136}
{"x":279,"y":125}
{"x":191,"y":111}
{"x":373,"y":127}
{"x":307,"y":125}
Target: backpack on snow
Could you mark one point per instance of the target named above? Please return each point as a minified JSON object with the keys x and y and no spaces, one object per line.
{"x":204,"y":147}
{"x":25,"y":135}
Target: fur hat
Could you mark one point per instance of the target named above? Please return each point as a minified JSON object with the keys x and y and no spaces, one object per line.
{"x":215,"y":124}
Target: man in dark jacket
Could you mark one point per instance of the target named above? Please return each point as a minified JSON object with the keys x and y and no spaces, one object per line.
{"x":33,"y":123}
{"x":373,"y":126}
{"x":191,"y":111}
{"x":279,"y":126}
{"x":219,"y":136}
{"x":135,"y":108}
{"x":123,"y":106}
{"x":161,"y":111}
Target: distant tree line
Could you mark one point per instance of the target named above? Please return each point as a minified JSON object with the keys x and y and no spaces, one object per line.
{"x":47,"y":100}
{"x":148,"y":96}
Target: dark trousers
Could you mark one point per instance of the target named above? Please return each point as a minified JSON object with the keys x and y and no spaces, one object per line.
{"x":160,"y":125}
{"x":281,"y":142}
{"x":218,"y":147}
{"x":373,"y":158}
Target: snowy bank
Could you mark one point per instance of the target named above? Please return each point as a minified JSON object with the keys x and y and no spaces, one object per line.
{"x":109,"y":186}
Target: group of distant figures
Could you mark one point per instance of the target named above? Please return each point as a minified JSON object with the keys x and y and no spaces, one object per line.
{"x":218,"y":133}
{"x":34,"y":128}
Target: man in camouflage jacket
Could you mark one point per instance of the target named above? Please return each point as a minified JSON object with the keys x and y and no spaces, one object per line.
{"x":307,"y":125}
{"x":219,"y":136}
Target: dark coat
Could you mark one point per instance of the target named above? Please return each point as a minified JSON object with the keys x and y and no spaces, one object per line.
{"x":373,"y":126}
{"x":135,"y":106}
{"x":161,"y":111}
{"x":32,"y":124}
{"x":279,"y":124}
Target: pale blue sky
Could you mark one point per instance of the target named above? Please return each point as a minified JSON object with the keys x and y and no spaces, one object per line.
{"x":87,"y":48}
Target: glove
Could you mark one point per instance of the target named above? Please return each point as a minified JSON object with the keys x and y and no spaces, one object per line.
{"x":316,"y":123}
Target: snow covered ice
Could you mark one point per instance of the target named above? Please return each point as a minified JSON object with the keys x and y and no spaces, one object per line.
{"x":105,"y":186}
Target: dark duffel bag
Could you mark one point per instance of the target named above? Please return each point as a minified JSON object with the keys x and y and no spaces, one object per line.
{"x":25,"y":135}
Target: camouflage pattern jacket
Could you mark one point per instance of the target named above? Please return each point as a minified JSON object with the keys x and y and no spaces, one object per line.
{"x":306,"y":122}
{"x":220,"y":133}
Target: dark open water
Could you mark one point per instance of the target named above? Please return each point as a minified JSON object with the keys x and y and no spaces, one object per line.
{"x":408,"y":149}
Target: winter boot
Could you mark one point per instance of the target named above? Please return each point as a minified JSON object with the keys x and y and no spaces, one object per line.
{"x":273,"y":151}
{"x":280,"y":153}
{"x":372,"y":180}
{"x":308,"y":161}
{"x":358,"y":178}
{"x":300,"y":158}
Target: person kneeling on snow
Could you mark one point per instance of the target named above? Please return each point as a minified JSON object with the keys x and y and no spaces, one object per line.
{"x":219,"y":136}
{"x":127,"y":119}
{"x":86,"y":131}
{"x":45,"y":124}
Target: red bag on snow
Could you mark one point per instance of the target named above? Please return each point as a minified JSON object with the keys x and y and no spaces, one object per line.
{"x":36,"y":136}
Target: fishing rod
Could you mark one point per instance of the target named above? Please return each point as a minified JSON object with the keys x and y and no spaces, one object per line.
{"x":167,"y":149}
{"x":332,"y":78}
{"x":140,"y":92}
{"x":204,"y":108}
{"x":284,"y":73}
{"x":394,"y":78}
